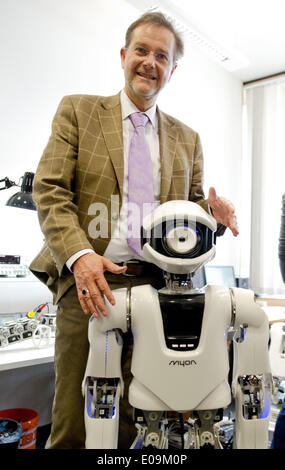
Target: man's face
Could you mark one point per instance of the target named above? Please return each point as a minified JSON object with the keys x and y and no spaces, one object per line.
{"x":148,"y":63}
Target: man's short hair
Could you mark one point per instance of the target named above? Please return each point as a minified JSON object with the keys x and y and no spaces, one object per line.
{"x":157,"y":18}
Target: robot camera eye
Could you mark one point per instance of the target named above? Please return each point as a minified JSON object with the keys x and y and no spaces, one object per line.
{"x":180,"y":239}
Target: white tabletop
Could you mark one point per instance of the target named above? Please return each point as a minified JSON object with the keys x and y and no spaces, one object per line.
{"x":25,"y":353}
{"x":274,"y":313}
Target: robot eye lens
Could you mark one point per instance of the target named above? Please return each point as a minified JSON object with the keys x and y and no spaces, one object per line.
{"x":179,"y":239}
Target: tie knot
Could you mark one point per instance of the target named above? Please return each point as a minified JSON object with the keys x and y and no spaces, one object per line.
{"x":139,"y":119}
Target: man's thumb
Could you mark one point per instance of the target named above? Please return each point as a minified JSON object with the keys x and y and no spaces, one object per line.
{"x":212,"y":195}
{"x":114,"y":268}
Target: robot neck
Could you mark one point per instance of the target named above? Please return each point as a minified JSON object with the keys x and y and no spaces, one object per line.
{"x":179,"y":284}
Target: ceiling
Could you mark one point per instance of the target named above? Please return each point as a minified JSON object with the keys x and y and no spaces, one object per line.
{"x":251,"y":33}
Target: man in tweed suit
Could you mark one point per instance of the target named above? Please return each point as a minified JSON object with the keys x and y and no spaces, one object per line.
{"x":85,"y":165}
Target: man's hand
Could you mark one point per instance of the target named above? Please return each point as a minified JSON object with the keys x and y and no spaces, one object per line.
{"x":223,"y":211}
{"x":89,"y":271}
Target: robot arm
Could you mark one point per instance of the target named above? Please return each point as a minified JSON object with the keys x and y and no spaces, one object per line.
{"x":103,"y":385}
{"x":251,"y":384}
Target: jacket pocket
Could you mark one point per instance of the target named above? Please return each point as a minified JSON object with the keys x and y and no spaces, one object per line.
{"x":44,"y":268}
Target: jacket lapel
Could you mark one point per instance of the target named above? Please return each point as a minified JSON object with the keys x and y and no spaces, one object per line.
{"x":167,"y":142}
{"x":110,"y":118}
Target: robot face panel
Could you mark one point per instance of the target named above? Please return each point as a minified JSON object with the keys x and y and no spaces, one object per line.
{"x":178,"y":236}
{"x":181,"y":238}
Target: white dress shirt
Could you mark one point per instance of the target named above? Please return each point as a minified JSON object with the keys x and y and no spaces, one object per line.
{"x":118,"y":249}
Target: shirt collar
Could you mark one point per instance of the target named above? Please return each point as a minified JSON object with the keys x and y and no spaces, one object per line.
{"x":128,"y":107}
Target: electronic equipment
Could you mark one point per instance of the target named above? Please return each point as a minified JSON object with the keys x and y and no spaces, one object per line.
{"x":20,"y":290}
{"x":10,"y":266}
{"x":11,"y":332}
{"x":37,"y":324}
{"x":220,"y":275}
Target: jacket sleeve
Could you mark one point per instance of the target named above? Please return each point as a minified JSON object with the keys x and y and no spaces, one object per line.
{"x":53,"y":189}
{"x":196,"y":191}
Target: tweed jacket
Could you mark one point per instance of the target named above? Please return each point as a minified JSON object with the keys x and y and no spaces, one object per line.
{"x":83,"y":164}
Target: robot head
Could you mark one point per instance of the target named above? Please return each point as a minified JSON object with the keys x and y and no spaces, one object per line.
{"x":178,"y":237}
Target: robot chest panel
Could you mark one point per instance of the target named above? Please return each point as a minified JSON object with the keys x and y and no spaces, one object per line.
{"x":183,"y":321}
{"x":183,"y":342}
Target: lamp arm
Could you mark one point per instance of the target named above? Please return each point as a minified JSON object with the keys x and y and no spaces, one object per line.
{"x":8,"y":183}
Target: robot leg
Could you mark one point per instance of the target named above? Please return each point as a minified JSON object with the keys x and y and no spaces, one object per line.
{"x":102,"y":394}
{"x":152,"y":430}
{"x":206,"y":434}
{"x":103,"y":385}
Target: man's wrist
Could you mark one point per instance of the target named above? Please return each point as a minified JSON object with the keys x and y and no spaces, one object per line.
{"x":76,"y":256}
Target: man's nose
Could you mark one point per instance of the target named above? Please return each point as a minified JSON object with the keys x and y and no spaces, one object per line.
{"x":150,"y":59}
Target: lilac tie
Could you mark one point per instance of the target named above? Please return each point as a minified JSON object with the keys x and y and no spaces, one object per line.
{"x":141,"y":196}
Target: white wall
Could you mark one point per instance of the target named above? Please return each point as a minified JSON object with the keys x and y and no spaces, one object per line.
{"x":209,"y":99}
{"x":53,"y":48}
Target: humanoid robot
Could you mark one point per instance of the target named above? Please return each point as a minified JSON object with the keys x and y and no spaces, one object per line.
{"x":180,"y":358}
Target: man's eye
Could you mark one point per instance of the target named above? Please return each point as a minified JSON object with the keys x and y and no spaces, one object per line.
{"x":141,"y":51}
{"x":162,"y":57}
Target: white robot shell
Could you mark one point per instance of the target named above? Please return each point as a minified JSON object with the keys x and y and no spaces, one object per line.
{"x":174,"y":237}
{"x":179,"y":209}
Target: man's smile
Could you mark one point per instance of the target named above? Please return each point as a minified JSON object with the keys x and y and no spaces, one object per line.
{"x":146,"y":75}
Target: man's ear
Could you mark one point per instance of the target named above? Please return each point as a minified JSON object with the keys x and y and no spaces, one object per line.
{"x":123,"y":56}
{"x":173,"y":68}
